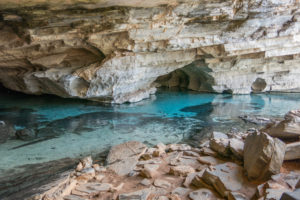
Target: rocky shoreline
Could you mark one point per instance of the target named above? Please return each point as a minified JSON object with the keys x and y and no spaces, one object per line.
{"x":243,"y":165}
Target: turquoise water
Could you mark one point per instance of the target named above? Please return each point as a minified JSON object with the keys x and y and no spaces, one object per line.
{"x":68,"y":128}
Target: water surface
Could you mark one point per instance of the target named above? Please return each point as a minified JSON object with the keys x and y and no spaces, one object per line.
{"x":70,"y":129}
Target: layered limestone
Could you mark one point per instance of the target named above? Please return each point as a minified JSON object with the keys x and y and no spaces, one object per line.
{"x":120,"y":51}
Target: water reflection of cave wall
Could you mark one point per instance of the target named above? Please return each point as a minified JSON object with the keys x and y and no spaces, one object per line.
{"x":194,"y":76}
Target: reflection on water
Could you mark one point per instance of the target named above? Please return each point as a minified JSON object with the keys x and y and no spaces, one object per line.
{"x":69,"y":129}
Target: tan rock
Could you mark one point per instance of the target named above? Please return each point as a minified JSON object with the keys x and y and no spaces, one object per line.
{"x":265,"y":159}
{"x":292,"y":151}
{"x":123,"y":158}
{"x":181,"y":170}
{"x":150,"y":171}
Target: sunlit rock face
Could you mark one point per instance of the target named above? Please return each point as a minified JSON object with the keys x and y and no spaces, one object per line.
{"x":120,"y":51}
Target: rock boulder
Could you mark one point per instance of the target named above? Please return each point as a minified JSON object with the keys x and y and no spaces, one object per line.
{"x":263,"y":155}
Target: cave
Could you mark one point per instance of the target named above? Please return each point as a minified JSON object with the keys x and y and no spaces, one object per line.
{"x":259,"y":85}
{"x":194,"y":76}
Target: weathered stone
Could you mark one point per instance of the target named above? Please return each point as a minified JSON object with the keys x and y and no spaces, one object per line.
{"x":236,"y":147}
{"x":73,"y":197}
{"x":218,"y":135}
{"x":189,"y":178}
{"x":274,"y":194}
{"x":186,"y":160}
{"x":226,"y":178}
{"x":203,"y":194}
{"x":236,"y":196}
{"x":162,"y":183}
{"x":6,"y":131}
{"x":137,"y":195}
{"x":179,"y":147}
{"x":286,"y":129}
{"x":209,"y":152}
{"x":93,"y":188}
{"x":263,"y":156}
{"x":25,"y":134}
{"x":181,"y":191}
{"x":123,"y":158}
{"x":150,"y":171}
{"x":99,"y":177}
{"x":292,"y":151}
{"x":87,"y":162}
{"x":256,"y":119}
{"x":162,"y":198}
{"x":181,"y":170}
{"x":209,"y":160}
{"x":295,"y":195}
{"x":220,"y":145}
{"x":175,"y":197}
{"x":146,"y":182}
{"x":190,"y":153}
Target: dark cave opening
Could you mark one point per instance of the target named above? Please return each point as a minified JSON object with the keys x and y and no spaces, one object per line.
{"x":194,"y":76}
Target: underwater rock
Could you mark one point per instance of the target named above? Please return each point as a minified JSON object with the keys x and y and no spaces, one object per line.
{"x":6,"y":131}
{"x":26,"y":134}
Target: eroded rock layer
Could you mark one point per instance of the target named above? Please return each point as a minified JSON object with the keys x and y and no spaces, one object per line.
{"x":114,"y":51}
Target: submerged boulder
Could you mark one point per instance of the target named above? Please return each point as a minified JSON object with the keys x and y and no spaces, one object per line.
{"x":25,"y":134}
{"x":6,"y":131}
{"x":263,"y":155}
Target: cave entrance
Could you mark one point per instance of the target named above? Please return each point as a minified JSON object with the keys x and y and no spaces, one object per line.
{"x":259,"y":85}
{"x":194,"y":76}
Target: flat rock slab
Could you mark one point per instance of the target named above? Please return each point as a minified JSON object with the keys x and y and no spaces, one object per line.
{"x":220,"y":145}
{"x":179,"y":147}
{"x":181,"y":191}
{"x":209,"y":160}
{"x":286,"y":129}
{"x":295,"y":195}
{"x":123,"y":158}
{"x":73,"y":197}
{"x":203,"y":194}
{"x":181,"y":170}
{"x":92,"y":188}
{"x":137,"y":195}
{"x":162,"y":183}
{"x":226,"y":178}
{"x":263,"y":155}
{"x":236,"y":146}
{"x":292,"y":151}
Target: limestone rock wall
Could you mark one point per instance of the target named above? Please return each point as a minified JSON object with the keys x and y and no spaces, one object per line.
{"x":114,"y":51}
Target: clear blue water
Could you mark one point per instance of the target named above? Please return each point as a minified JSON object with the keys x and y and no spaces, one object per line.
{"x":68,"y":128}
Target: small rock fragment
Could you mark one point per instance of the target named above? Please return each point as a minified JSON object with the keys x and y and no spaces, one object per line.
{"x":181,"y":191}
{"x":209,"y":160}
{"x":295,"y":195}
{"x":137,"y":195}
{"x":236,"y":147}
{"x":179,"y":147}
{"x":220,"y":145}
{"x":162,"y":183}
{"x":202,"y":194}
{"x":150,"y":171}
{"x":218,"y":135}
{"x":181,"y":170}
{"x":146,"y":182}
